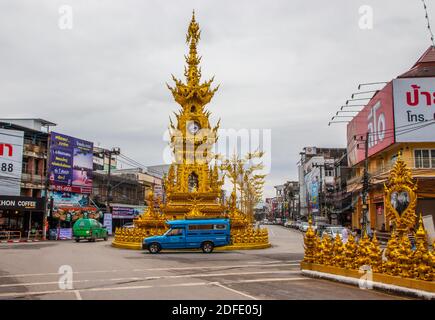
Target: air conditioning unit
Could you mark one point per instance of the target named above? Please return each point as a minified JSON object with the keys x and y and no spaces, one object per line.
{"x":310,"y":151}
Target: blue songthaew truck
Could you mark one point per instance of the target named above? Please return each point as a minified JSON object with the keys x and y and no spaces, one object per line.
{"x":205,"y":234}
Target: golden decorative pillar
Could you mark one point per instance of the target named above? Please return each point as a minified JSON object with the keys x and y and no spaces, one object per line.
{"x":349,"y":253}
{"x":327,"y":250}
{"x":390,"y":265}
{"x":338,"y":249}
{"x":404,"y":255}
{"x":310,"y":244}
{"x":375,"y":255}
{"x":363,"y":251}
{"x":422,"y":267}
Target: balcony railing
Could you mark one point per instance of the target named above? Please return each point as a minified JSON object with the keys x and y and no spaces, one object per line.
{"x":383,"y":170}
{"x":32,"y":178}
{"x":35,"y":151}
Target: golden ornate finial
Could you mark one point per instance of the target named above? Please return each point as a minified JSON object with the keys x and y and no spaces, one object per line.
{"x":420,"y":235}
{"x":192,"y":91}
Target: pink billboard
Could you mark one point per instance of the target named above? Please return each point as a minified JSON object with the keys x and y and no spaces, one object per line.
{"x":376,"y":118}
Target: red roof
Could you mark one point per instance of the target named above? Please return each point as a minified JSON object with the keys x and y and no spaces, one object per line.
{"x":424,"y":67}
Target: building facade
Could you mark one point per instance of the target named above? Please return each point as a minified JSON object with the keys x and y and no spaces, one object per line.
{"x":22,"y":211}
{"x":318,"y":183}
{"x":398,"y":120}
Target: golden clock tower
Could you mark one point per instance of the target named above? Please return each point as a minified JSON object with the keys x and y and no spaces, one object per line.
{"x":193,"y":187}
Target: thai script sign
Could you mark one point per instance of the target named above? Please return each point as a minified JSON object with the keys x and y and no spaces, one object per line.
{"x":70,"y":167}
{"x":414,"y":109}
{"x":11,"y":158}
{"x":377,"y":119}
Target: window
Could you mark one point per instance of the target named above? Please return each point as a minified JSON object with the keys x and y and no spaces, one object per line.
{"x":175,"y":232}
{"x":201,"y":227}
{"x":424,"y":158}
{"x":329,"y":173}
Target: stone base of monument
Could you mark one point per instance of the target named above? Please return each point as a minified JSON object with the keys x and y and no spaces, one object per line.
{"x":245,"y":246}
{"x":127,"y":245}
{"x":384,"y":282}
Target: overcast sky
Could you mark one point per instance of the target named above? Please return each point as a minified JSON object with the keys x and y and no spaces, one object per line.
{"x":282,"y":65}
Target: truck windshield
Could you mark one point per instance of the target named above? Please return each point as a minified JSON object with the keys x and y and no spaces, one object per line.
{"x":174,"y":232}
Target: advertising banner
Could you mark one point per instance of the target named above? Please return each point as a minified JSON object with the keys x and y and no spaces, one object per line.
{"x":107,"y":222}
{"x":11,"y":161}
{"x":69,"y":199}
{"x":414,"y":105}
{"x":312,"y":183}
{"x":120,"y":212}
{"x":70,"y":167}
{"x":377,"y":119}
{"x":71,"y":214}
{"x":65,"y":234}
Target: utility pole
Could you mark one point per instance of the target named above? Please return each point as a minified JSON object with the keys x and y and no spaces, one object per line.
{"x":110,"y":153}
{"x":365,"y":183}
{"x":47,"y":203}
{"x":321,"y":191}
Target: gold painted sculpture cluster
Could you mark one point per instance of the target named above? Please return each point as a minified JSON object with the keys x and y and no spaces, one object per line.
{"x":150,"y":223}
{"x":243,"y":234}
{"x":398,"y":258}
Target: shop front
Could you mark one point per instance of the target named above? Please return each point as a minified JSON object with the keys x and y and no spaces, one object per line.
{"x":21,"y":217}
{"x":63,"y":219}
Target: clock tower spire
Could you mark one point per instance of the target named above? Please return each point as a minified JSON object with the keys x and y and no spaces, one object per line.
{"x":191,"y":178}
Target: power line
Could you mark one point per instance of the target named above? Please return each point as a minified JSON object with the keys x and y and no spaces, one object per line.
{"x":428,"y":23}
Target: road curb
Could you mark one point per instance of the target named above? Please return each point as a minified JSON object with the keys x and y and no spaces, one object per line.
{"x":375,"y":285}
{"x":21,"y":241}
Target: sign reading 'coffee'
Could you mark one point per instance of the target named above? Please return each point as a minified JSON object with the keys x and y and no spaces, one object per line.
{"x":20,"y":203}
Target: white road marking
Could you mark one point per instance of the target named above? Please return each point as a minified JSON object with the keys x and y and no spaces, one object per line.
{"x":78,"y":296}
{"x":153,"y":278}
{"x":251,"y":264}
{"x":233,"y":290}
{"x":268,"y":280}
{"x":186,"y":284}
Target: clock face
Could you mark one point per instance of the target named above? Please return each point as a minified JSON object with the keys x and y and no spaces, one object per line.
{"x":193,"y":127}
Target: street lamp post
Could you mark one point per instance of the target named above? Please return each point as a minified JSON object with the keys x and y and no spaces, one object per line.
{"x":110,"y":153}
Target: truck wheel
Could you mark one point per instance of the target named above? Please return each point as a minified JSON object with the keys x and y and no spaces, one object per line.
{"x":105,"y":238}
{"x":207,"y":247}
{"x":154,"y":248}
{"x":77,"y":240}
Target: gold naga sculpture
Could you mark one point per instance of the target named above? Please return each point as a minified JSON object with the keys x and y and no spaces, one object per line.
{"x":398,"y":259}
{"x":193,"y":186}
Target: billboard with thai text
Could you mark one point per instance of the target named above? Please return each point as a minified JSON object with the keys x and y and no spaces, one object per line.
{"x":414,"y":109}
{"x":71,"y":164}
{"x":376,"y":119}
{"x":11,"y":159}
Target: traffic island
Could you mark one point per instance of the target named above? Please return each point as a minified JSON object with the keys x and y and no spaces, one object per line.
{"x":367,"y":280}
{"x":399,"y":267}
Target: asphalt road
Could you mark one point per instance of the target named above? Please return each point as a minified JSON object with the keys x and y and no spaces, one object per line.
{"x":31,"y":271}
